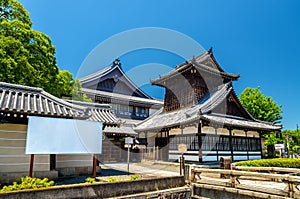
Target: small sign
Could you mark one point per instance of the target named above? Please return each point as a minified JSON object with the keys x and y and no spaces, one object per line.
{"x":128,"y":140}
{"x":182,"y":148}
{"x":279,"y":146}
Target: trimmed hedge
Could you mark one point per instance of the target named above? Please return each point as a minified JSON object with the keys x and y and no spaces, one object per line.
{"x":277,"y":162}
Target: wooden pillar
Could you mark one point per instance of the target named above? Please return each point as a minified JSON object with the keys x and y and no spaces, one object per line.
{"x":217,"y":150}
{"x":31,"y":165}
{"x":230,"y":143}
{"x":199,"y":141}
{"x":52,"y":161}
{"x":146,"y":136}
{"x":261,"y":144}
{"x":94,"y":166}
{"x":110,"y":150}
{"x":248,"y":144}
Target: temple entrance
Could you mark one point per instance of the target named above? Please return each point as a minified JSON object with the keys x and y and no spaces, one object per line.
{"x":162,"y":144}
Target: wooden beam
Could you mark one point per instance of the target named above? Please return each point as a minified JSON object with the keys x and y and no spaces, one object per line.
{"x":200,"y":142}
{"x":94,"y":166}
{"x":31,"y":165}
{"x":217,"y":150}
{"x":248,"y":144}
{"x":230,"y":143}
{"x":260,"y":144}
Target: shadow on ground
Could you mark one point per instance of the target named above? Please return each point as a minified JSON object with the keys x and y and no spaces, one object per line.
{"x":81,"y":179}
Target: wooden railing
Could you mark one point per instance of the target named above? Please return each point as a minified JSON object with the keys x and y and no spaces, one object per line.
{"x":289,"y":183}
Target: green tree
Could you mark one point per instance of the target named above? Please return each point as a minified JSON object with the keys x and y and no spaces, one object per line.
{"x":292,"y":140}
{"x":77,"y":92}
{"x":263,"y":108}
{"x":27,"y":56}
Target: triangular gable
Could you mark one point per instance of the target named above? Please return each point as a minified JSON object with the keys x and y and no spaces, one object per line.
{"x":233,"y":107}
{"x":113,"y":79}
{"x":204,"y":63}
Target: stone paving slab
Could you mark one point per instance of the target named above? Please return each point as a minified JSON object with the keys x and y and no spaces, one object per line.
{"x":147,"y":169}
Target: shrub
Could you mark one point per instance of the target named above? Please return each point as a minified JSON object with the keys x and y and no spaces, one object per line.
{"x":134,"y":177}
{"x":28,"y":183}
{"x":112,"y":179}
{"x":90,"y":180}
{"x":277,"y":162}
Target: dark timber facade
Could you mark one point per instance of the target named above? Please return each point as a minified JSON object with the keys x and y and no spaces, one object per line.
{"x":202,"y":111}
{"x":128,"y":102}
{"x":112,"y":86}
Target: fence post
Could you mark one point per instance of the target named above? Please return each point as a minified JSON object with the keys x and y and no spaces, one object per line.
{"x":232,"y":180}
{"x":192,"y":178}
{"x":291,"y":189}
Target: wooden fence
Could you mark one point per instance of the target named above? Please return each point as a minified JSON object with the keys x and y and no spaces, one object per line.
{"x":275,"y":184}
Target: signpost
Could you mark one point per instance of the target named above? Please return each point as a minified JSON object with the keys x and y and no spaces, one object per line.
{"x":279,"y":147}
{"x":128,"y":142}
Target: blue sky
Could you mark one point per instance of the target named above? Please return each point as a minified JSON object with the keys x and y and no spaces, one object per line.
{"x":257,"y":39}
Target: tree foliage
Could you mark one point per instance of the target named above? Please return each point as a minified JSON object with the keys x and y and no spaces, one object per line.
{"x":291,"y":138}
{"x":27,"y":56}
{"x":259,"y":106}
{"x":77,"y":93}
{"x":263,"y":108}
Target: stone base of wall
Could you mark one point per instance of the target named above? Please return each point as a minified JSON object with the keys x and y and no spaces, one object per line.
{"x":75,"y":171}
{"x":98,"y":190}
{"x":180,"y":192}
{"x":7,"y":178}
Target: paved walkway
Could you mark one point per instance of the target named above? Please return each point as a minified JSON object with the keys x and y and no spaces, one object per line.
{"x":146,"y":168}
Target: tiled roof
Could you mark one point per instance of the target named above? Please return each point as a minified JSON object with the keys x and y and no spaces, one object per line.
{"x":18,"y":99}
{"x":124,"y":98}
{"x":164,"y":120}
{"x":35,"y":101}
{"x":200,"y":63}
{"x":237,"y":122}
{"x":95,"y":77}
{"x":99,"y":112}
{"x":123,"y":130}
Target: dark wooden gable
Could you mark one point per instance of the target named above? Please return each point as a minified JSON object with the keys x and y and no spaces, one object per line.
{"x":232,"y":106}
{"x":113,"y":79}
{"x":185,"y":90}
{"x":189,"y":82}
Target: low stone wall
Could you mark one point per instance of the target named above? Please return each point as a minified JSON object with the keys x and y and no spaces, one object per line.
{"x":180,"y":192}
{"x":99,"y":190}
{"x":75,"y":171}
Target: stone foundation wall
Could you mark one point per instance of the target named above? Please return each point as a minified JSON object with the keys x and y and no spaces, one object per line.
{"x":99,"y":190}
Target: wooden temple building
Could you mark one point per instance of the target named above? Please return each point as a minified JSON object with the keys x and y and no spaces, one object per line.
{"x":112,"y":86}
{"x":202,"y":111}
{"x":18,"y":102}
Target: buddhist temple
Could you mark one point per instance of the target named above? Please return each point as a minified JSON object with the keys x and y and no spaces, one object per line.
{"x":202,"y":111}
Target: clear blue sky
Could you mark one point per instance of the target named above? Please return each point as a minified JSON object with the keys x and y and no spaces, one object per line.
{"x":257,"y":39}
